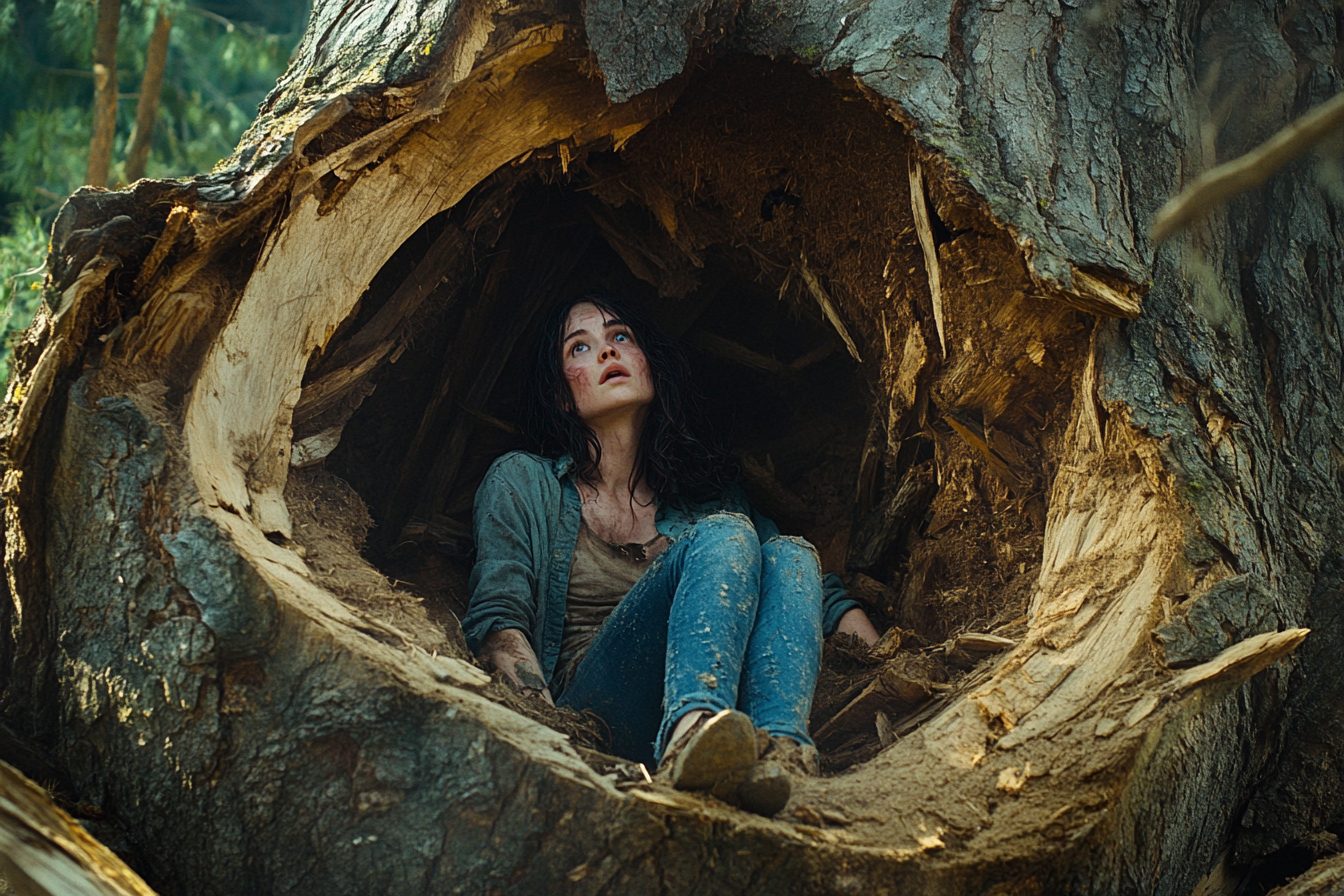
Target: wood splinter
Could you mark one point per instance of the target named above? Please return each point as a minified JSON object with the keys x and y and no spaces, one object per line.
{"x":924,"y":231}
{"x":1242,"y":660}
{"x":827,"y":306}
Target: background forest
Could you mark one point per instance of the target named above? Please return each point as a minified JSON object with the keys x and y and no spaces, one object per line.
{"x":223,"y":57}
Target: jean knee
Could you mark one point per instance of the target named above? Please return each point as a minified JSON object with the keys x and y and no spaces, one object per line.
{"x":729,"y":527}
{"x":792,"y":549}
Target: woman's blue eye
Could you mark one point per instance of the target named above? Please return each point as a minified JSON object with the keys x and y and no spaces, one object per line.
{"x":578,"y":347}
{"x":622,"y":337}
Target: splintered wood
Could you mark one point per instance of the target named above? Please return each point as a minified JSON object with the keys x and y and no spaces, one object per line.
{"x":924,"y":231}
{"x":1101,"y":296}
{"x":827,"y":307}
{"x":904,"y":683}
{"x":366,"y":349}
{"x":44,"y":851}
{"x":239,"y":419}
{"x":1230,"y":178}
{"x":1242,"y":660}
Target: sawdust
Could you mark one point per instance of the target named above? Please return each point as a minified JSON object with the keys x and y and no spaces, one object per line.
{"x":331,"y":524}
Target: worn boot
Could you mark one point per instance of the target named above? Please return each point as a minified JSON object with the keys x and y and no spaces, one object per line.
{"x":715,"y":756}
{"x":798,"y":759}
{"x":768,"y":786}
{"x":765,"y":790}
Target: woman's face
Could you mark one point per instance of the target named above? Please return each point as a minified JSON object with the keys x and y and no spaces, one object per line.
{"x":607,"y":372}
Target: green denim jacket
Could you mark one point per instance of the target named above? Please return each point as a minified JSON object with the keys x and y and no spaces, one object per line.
{"x":526,"y":523}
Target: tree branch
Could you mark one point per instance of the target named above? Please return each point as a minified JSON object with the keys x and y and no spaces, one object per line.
{"x":1227,"y":180}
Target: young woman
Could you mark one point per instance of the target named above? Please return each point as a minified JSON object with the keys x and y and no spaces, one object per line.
{"x":620,"y":569}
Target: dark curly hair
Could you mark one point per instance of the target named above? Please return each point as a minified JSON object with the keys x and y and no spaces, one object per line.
{"x":678,"y":454}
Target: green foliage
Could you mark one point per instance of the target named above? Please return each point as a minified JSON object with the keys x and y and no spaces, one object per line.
{"x":21,"y":255}
{"x":45,"y":152}
{"x":224,"y":56}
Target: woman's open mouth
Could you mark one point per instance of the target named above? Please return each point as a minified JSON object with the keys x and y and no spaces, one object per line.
{"x":612,"y":373}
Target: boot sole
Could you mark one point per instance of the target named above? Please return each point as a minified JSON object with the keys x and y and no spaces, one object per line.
{"x":723,"y":748}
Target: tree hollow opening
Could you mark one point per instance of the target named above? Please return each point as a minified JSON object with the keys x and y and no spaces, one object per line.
{"x":896,"y":383}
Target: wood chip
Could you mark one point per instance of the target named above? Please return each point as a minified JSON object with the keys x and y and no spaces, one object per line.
{"x":930,"y":842}
{"x":977,"y":642}
{"x":1012,"y":781}
{"x":1107,"y":727}
{"x":1141,"y":710}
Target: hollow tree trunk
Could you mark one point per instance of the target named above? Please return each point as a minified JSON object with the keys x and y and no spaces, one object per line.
{"x":203,"y":684}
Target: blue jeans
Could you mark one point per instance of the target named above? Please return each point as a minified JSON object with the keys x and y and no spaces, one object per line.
{"x":718,"y":621}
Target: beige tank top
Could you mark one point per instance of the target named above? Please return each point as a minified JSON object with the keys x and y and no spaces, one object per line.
{"x":601,"y":575}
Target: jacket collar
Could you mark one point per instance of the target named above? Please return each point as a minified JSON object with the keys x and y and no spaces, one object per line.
{"x":564,"y":466}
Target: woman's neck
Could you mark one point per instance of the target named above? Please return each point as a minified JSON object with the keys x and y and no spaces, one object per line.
{"x":616,"y":474}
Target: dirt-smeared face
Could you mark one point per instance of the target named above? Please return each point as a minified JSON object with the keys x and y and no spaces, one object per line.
{"x":607,"y":372}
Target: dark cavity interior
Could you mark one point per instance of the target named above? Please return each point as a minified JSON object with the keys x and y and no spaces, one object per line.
{"x":766,"y":221}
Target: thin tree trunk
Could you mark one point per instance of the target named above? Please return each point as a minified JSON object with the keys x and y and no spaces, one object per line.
{"x":147,"y":110}
{"x":105,"y":92}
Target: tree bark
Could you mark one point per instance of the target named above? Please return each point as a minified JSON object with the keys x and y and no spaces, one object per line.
{"x":147,"y":109}
{"x":104,"y":92}
{"x":176,"y":642}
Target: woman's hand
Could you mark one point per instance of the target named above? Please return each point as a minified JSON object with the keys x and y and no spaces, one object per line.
{"x":856,"y":622}
{"x":509,"y":651}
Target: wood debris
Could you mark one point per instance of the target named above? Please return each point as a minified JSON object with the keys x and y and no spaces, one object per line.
{"x":903,"y":684}
{"x":1012,"y":781}
{"x":45,"y":851}
{"x":924,"y":231}
{"x":739,"y":354}
{"x":1230,"y":178}
{"x":875,"y":596}
{"x":827,"y":307}
{"x":880,"y":529}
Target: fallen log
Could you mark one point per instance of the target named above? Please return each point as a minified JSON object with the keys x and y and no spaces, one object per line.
{"x":45,"y":852}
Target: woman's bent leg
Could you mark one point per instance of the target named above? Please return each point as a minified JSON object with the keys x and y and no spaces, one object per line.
{"x":675,"y":643}
{"x":784,"y":654}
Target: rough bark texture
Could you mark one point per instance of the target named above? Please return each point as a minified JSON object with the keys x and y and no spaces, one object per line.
{"x":254,"y":733}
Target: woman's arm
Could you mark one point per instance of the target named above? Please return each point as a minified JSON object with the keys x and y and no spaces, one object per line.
{"x":856,"y":622}
{"x":505,"y":587}
{"x":509,"y":651}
